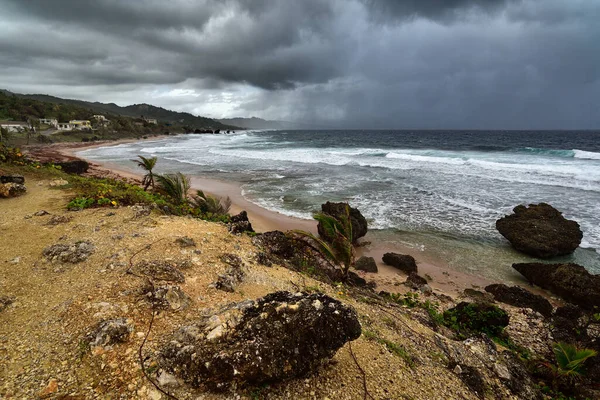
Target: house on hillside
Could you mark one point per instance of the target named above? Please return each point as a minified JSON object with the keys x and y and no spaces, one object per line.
{"x":14,"y":126}
{"x":49,"y":121}
{"x":151,"y":121}
{"x":99,"y":118}
{"x":64,"y":126}
{"x":81,"y":124}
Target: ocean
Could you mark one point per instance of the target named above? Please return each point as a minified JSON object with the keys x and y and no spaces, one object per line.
{"x":435,"y":191}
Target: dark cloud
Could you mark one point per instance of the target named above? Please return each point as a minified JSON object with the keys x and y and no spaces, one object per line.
{"x":361,"y":63}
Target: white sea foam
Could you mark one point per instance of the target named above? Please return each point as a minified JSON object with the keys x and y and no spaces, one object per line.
{"x":587,"y":155}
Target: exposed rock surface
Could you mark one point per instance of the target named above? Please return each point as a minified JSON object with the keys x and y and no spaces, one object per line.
{"x":12,"y":189}
{"x":12,"y":179}
{"x":69,"y":253}
{"x":160,"y":270}
{"x":540,"y":230}
{"x":277,"y":337}
{"x":405,"y":263}
{"x":366,"y":264}
{"x":572,"y":282}
{"x":415,"y":281}
{"x":359,"y":222}
{"x":74,"y":167}
{"x":234,"y":274}
{"x":185,"y":241}
{"x":166,"y":297}
{"x":58,"y":219}
{"x":110,"y":332}
{"x":240,"y":223}
{"x":519,"y":297}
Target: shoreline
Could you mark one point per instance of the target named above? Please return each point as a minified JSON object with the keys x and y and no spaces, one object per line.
{"x":444,"y":278}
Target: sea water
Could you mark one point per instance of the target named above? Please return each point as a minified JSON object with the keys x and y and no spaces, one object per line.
{"x":436,"y":191}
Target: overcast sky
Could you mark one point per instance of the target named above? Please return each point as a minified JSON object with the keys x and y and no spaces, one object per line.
{"x":487,"y":64}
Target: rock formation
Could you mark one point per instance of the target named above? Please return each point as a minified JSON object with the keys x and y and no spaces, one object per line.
{"x":366,"y":264}
{"x":277,"y":337}
{"x":405,"y":263}
{"x":572,"y":282}
{"x":540,"y":231}
{"x":519,"y":297}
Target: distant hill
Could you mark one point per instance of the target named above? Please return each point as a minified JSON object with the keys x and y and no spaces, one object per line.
{"x":134,"y":111}
{"x":255,"y":123}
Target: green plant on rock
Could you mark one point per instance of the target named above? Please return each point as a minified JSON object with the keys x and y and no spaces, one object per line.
{"x":147,"y":164}
{"x":175,"y":186}
{"x":339,"y":250}
{"x":211,"y":204}
{"x":569,"y":362}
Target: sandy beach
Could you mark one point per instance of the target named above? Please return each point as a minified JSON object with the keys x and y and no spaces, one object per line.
{"x":442,"y":277}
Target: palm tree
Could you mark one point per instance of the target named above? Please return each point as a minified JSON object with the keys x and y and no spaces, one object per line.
{"x":211,"y":204}
{"x":339,"y":250}
{"x":147,"y":164}
{"x":176,"y":186}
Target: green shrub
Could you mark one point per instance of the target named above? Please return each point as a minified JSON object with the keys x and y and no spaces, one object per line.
{"x":468,"y":319}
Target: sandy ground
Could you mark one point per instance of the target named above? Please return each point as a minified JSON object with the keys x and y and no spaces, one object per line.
{"x":57,"y":304}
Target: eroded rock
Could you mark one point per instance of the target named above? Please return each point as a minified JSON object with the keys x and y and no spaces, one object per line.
{"x":8,"y":190}
{"x":519,"y":297}
{"x":405,"y":263}
{"x":161,"y":270}
{"x":70,"y":253}
{"x":185,"y":241}
{"x":233,"y":275}
{"x":166,"y":297}
{"x":540,"y":231}
{"x":366,"y":264}
{"x":572,"y":282}
{"x":240,"y":224}
{"x":110,"y":332}
{"x":5,"y":301}
{"x":277,"y":337}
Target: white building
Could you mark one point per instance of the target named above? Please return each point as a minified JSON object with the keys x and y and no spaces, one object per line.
{"x":151,"y":121}
{"x":14,"y":126}
{"x":64,"y":126}
{"x":99,"y":118}
{"x":49,"y":121}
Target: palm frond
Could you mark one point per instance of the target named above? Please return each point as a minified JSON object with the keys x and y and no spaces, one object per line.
{"x":175,"y":186}
{"x":211,"y":204}
{"x":570,"y":359}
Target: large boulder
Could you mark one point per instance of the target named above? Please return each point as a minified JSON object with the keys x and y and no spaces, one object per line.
{"x":540,"y":231}
{"x":405,"y":263}
{"x":12,"y":179}
{"x":240,"y":224}
{"x":519,"y":297}
{"x":359,"y":222}
{"x":572,"y":282}
{"x":277,"y":337}
{"x":74,"y":167}
{"x":12,"y":189}
{"x":366,"y":264}
{"x":69,"y":253}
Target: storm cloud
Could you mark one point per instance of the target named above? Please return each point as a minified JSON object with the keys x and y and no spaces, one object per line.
{"x":457,"y":64}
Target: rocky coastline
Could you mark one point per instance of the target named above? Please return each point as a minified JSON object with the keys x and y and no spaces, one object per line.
{"x":136,"y":302}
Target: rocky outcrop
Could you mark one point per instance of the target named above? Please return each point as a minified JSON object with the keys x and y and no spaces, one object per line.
{"x":185,"y":241}
{"x":240,"y":224}
{"x":540,"y":231}
{"x":160,"y":270}
{"x":10,"y":189}
{"x":359,"y":222}
{"x":405,"y":263}
{"x":234,"y":274}
{"x":277,"y":337}
{"x":110,"y":332}
{"x":166,"y":297}
{"x":74,"y":167}
{"x":20,"y":179}
{"x":69,"y":253}
{"x":366,"y":264}
{"x":572,"y":282}
{"x":415,"y":281}
{"x":519,"y":297}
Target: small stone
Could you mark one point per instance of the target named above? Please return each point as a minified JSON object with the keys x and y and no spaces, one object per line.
{"x":50,"y":389}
